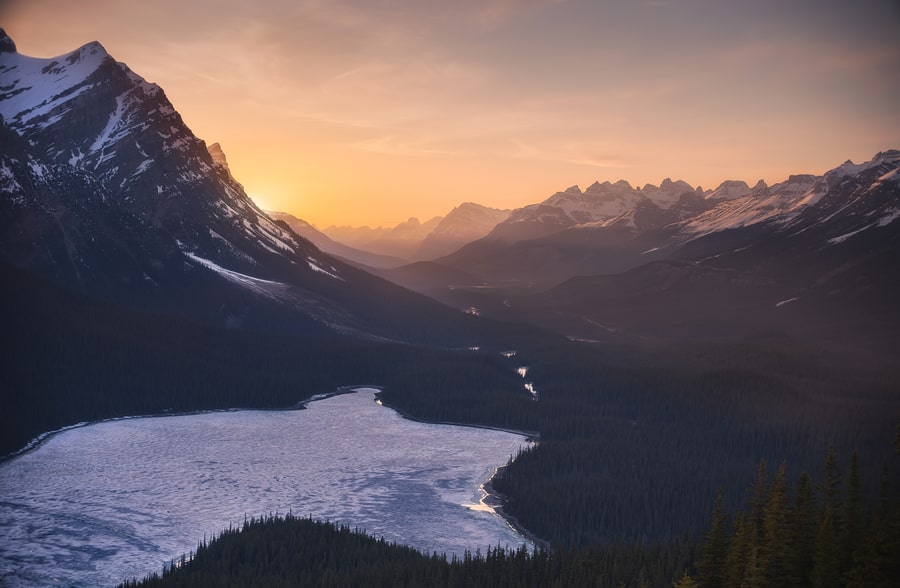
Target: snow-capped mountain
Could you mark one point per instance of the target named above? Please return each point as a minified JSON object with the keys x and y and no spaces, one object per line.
{"x":815,"y":255}
{"x":600,"y":203}
{"x":612,"y":227}
{"x":106,"y":189}
{"x":466,"y":223}
{"x":87,"y":111}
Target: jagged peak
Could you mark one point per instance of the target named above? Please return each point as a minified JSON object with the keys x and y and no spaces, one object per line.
{"x":88,"y":51}
{"x":573,"y":190}
{"x":668,"y":183}
{"x":7,"y":45}
{"x":889,"y":155}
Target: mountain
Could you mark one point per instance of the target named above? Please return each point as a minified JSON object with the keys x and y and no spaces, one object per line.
{"x":329,"y":245}
{"x":402,"y":240}
{"x":107,"y":191}
{"x":815,"y":256}
{"x":466,"y":223}
{"x":610,"y":228}
{"x":415,"y":241}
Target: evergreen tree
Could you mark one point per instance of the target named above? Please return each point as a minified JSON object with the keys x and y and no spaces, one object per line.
{"x":852,"y":516}
{"x":775,"y":551}
{"x":714,"y":550}
{"x":803,"y":528}
{"x":739,"y":550}
{"x":686,"y":581}
{"x":826,"y":565}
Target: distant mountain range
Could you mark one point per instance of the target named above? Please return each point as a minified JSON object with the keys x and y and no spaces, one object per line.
{"x":817,"y":256}
{"x":415,"y":241}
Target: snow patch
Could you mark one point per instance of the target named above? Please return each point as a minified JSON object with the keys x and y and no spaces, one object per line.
{"x":257,"y":285}
{"x":313,"y":265}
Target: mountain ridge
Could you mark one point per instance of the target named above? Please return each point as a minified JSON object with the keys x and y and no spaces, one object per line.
{"x":108,"y":191}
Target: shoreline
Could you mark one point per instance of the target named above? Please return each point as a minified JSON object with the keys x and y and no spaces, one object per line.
{"x":492,"y":497}
{"x":530,"y":436}
{"x":495,"y":500}
{"x":42,"y":438}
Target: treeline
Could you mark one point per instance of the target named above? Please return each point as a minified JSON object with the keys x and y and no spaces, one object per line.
{"x":292,"y":552}
{"x":461,"y":387}
{"x":804,"y":535}
{"x":634,"y":444}
{"x":69,"y":359}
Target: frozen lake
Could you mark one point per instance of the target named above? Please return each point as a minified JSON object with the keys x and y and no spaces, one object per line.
{"x":98,"y":504}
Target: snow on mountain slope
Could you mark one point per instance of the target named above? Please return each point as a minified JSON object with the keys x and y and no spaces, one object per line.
{"x":601,"y":204}
{"x":731,"y":189}
{"x":803,"y":197}
{"x":86,"y":111}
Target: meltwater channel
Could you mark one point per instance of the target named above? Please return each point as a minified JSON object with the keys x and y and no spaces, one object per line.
{"x":95,"y":505}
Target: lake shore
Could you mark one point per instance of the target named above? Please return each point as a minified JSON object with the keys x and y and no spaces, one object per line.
{"x":495,"y":500}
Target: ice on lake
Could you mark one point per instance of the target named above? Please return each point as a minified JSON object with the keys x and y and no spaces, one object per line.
{"x":99,"y":504}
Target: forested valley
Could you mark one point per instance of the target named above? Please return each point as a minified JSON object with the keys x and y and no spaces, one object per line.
{"x":634,"y":445}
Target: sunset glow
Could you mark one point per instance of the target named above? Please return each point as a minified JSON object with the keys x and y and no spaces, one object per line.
{"x":357,"y":112}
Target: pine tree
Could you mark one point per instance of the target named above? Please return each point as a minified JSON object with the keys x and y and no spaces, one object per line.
{"x":686,"y":581}
{"x":738,"y":551}
{"x":826,"y":566}
{"x":714,"y":551}
{"x":803,"y":528}
{"x":851,"y":533}
{"x":775,"y":551}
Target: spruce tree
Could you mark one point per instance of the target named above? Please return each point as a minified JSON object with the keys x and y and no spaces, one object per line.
{"x":826,"y":565}
{"x":804,"y":522}
{"x":776,"y":547}
{"x":714,"y":551}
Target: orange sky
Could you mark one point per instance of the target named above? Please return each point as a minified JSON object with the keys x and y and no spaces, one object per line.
{"x":369,"y":112}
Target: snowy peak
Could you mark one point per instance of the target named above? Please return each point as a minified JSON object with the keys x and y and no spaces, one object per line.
{"x":890,"y":158}
{"x":35,"y":90}
{"x":731,"y":189}
{"x":803,"y":198}
{"x":601,"y":204}
{"x":86,"y":114}
{"x":466,"y":223}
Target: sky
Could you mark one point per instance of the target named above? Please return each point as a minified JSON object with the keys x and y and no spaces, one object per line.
{"x":354,"y":112}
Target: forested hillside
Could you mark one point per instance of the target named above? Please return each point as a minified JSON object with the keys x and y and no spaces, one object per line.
{"x":634,"y":444}
{"x":816,"y":532}
{"x":70,"y":359}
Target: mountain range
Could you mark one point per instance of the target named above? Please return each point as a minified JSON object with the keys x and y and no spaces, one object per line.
{"x":109,"y":193}
{"x":415,"y":241}
{"x":812,"y":255}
